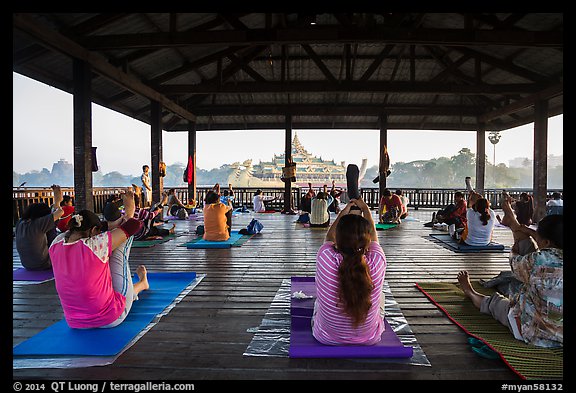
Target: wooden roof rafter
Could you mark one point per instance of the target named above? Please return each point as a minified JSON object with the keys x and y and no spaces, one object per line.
{"x":97,"y":63}
{"x":326,"y":34}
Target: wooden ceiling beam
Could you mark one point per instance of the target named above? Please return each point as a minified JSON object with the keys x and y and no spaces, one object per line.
{"x":351,"y":86}
{"x":328,"y":125}
{"x":544,"y":94}
{"x":226,"y":74}
{"x":328,"y":34}
{"x":137,"y":55}
{"x":377,"y":62}
{"x":99,"y":64}
{"x":101,"y":20}
{"x":505,"y":65}
{"x":316,"y":59}
{"x":335,"y":110}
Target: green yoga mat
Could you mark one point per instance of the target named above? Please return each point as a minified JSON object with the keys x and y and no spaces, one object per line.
{"x":152,"y":243}
{"x":528,"y":361}
{"x":384,"y":226}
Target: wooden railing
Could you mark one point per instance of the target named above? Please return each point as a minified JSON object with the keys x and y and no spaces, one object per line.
{"x":23,"y":197}
{"x":418,"y":197}
{"x":440,"y":197}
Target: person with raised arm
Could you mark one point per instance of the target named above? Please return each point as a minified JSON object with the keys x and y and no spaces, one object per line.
{"x":350,"y":270}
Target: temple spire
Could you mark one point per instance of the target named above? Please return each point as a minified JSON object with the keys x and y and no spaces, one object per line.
{"x":297,"y":146}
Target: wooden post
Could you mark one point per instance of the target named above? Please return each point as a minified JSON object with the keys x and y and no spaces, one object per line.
{"x":480,"y":158}
{"x":82,"y":102}
{"x":156,"y":150}
{"x":192,"y":155}
{"x":383,"y":143}
{"x":288,"y":158}
{"x":540,"y":165}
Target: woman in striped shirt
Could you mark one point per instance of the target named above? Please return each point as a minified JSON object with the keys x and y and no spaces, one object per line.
{"x":350,"y":268}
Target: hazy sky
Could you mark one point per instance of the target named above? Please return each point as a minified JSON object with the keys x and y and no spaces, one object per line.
{"x":43,"y":133}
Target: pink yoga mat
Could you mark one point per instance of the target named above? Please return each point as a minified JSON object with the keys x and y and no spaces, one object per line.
{"x":304,"y":345}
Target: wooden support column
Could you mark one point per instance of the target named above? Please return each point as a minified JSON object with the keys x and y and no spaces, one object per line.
{"x":383,"y":143}
{"x":540,"y":165}
{"x":480,"y":158}
{"x":156,"y":150}
{"x":82,"y":102}
{"x":192,"y":160}
{"x":288,"y":158}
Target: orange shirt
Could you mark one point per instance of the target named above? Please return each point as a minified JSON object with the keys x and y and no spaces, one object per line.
{"x":215,"y":228}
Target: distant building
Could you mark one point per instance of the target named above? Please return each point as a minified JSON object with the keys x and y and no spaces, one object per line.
{"x":62,"y":168}
{"x":522,"y":162}
{"x":62,"y":173}
{"x":309,"y":168}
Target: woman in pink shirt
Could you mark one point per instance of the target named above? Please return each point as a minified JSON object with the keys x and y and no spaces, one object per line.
{"x":83,"y":271}
{"x":350,"y":268}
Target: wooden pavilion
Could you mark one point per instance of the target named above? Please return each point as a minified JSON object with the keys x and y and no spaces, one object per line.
{"x":198,"y":72}
{"x":194,"y":72}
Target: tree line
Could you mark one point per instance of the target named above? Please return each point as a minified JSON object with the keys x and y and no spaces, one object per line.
{"x":442,"y":172}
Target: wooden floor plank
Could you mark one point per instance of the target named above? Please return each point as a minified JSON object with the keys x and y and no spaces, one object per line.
{"x":205,"y":335}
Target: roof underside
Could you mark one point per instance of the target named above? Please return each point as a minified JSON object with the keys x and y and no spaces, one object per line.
{"x":438,"y":71}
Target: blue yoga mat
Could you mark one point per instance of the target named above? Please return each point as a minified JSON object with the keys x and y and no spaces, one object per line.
{"x":59,"y":339}
{"x":234,"y":237}
{"x":446,"y":239}
{"x":304,"y":345}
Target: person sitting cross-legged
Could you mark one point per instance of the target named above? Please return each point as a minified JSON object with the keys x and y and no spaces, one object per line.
{"x":217,"y":218}
{"x":534,"y":311}
{"x":390,"y":208}
{"x":350,"y":270}
{"x":95,"y":289}
{"x":259,"y":199}
{"x":480,"y":221}
{"x":453,"y":213}
{"x":36,"y":230}
{"x":320,"y":215}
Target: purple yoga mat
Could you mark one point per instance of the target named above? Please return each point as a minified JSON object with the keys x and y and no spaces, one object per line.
{"x":304,"y":345}
{"x":22,"y":274}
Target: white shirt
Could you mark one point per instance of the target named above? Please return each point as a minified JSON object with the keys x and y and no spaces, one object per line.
{"x":555,"y":202}
{"x":478,"y":234}
{"x":258,"y":202}
{"x":320,"y":214}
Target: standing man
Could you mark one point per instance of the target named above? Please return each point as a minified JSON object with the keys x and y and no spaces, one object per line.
{"x":146,"y":187}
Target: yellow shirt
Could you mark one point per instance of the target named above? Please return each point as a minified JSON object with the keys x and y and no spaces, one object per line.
{"x":215,"y":228}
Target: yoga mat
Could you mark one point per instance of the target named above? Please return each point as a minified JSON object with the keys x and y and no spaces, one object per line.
{"x":59,"y":339}
{"x":235,"y":240}
{"x":272,"y":337}
{"x":32,"y":276}
{"x":152,"y":243}
{"x":384,"y":226}
{"x":191,"y":217}
{"x":447,"y":240}
{"x":528,"y":361}
{"x":304,"y":345}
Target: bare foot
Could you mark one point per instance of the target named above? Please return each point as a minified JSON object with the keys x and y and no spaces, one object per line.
{"x":506,"y":220}
{"x":172,"y":231}
{"x":466,"y":286}
{"x":143,"y":278}
{"x":464,"y":281}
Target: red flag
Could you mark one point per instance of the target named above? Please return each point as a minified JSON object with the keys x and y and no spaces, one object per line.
{"x":189,"y":170}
